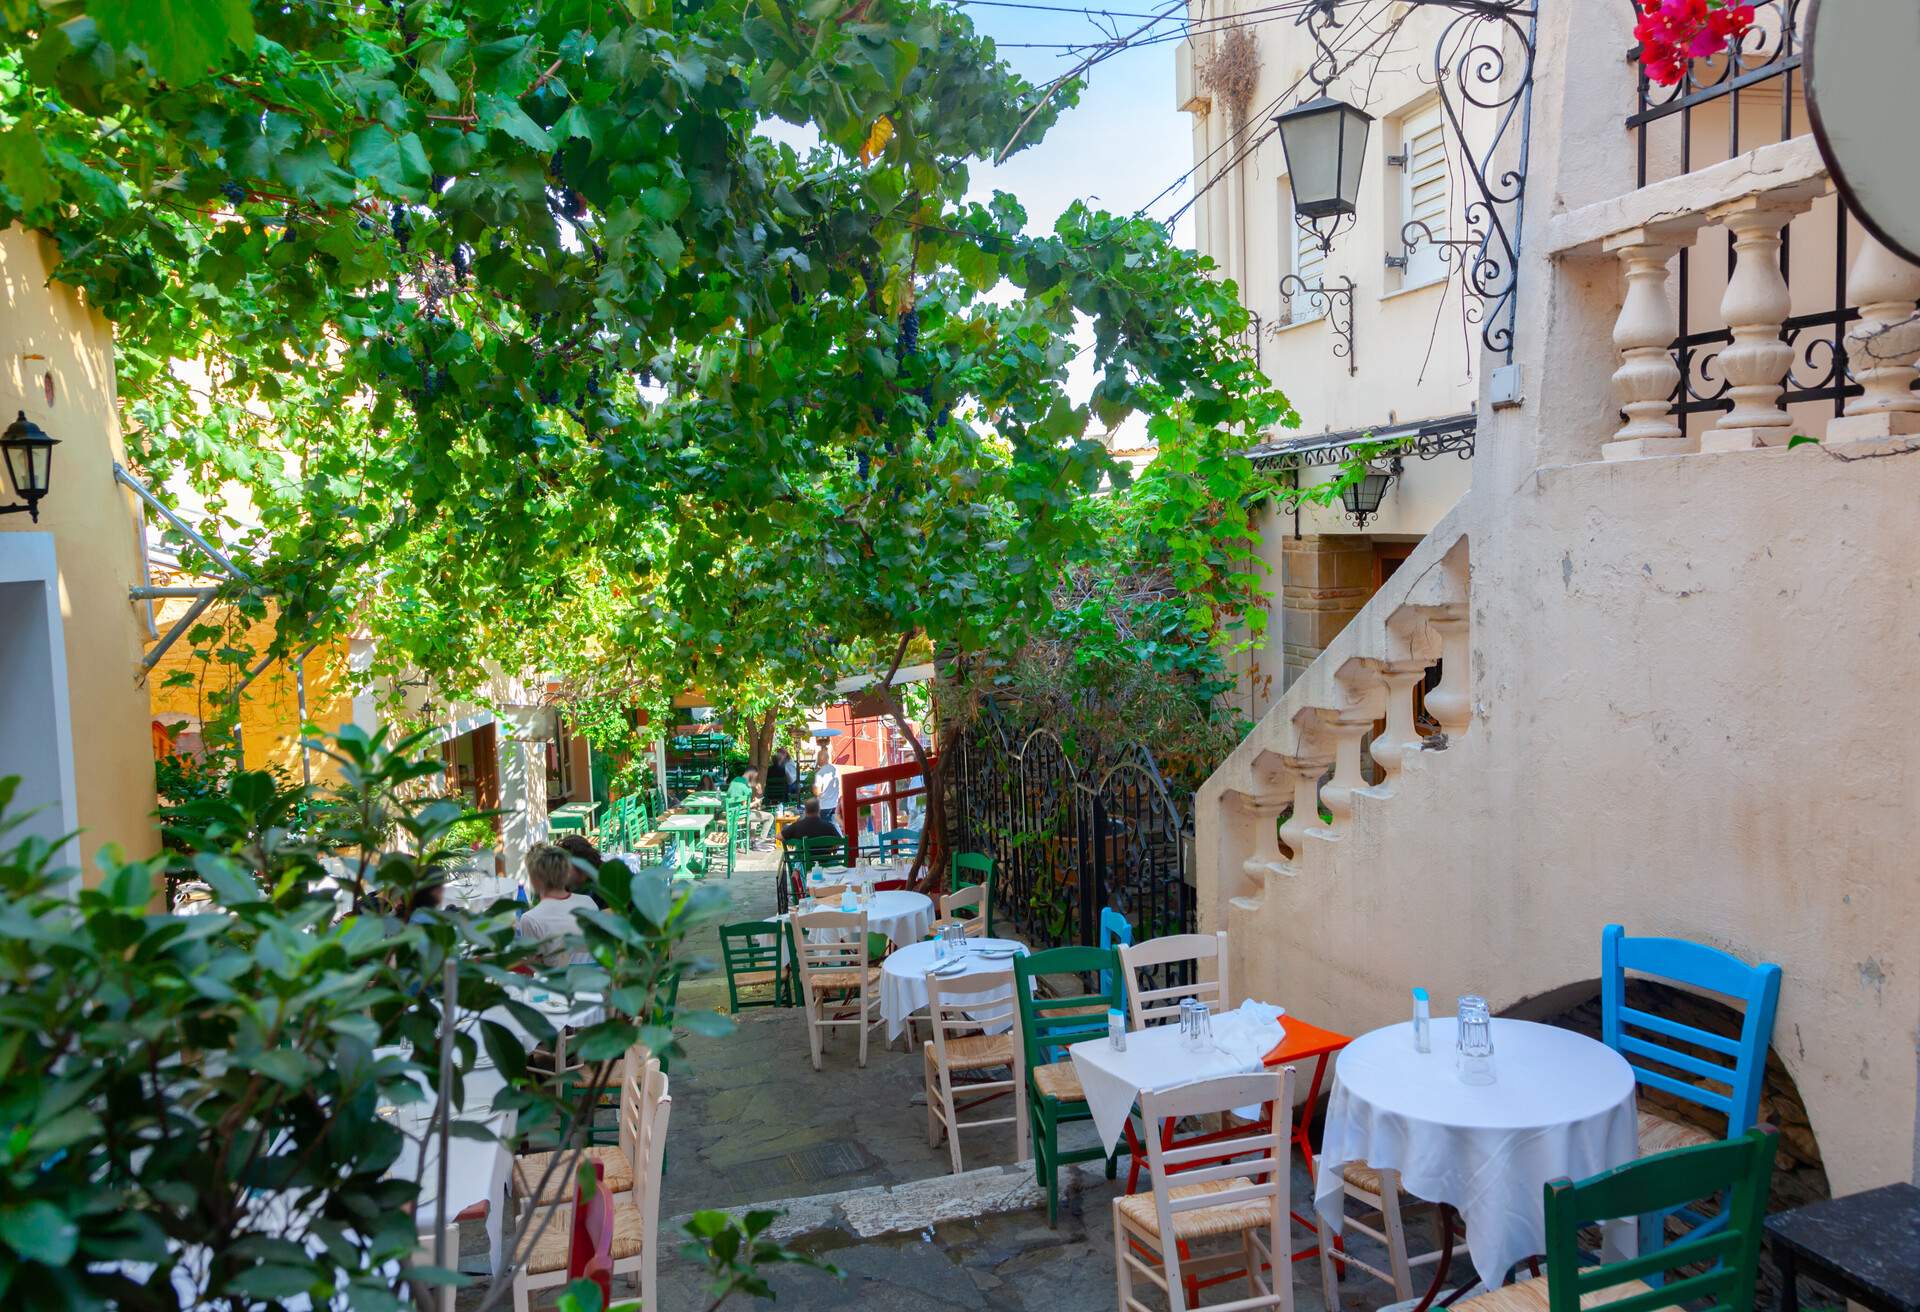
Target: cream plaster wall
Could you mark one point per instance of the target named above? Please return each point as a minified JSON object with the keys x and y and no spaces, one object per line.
{"x":48,"y":332}
{"x":1677,"y":683}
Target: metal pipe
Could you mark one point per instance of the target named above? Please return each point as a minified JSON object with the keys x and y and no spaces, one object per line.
{"x":150,"y":593}
{"x":166,"y":512}
{"x":300,"y":702}
{"x":180,"y":626}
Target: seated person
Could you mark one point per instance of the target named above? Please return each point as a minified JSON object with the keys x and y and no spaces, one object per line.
{"x":586,"y":863}
{"x":550,"y":921}
{"x":811,"y":824}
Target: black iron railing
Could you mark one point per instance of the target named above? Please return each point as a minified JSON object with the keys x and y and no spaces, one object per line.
{"x":1751,"y":94}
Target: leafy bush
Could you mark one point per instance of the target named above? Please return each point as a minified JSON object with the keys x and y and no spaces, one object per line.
{"x":194,"y":1100}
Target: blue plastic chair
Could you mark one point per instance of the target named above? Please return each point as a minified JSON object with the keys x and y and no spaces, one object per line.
{"x":1114,"y":929}
{"x":1636,"y":1035}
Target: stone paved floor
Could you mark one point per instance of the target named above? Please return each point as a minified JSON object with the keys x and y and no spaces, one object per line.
{"x":843,"y":1152}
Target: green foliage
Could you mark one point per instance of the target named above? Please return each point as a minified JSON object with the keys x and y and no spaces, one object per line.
{"x":735,"y":1249}
{"x":201,"y":1095}
{"x":531,"y":348}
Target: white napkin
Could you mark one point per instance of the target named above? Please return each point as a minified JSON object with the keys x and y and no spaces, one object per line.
{"x":1248,"y":1033}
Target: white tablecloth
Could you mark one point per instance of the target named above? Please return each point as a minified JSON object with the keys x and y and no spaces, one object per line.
{"x":1160,"y":1058}
{"x":902,"y":916}
{"x":1561,"y":1105}
{"x":903,"y":978}
{"x":476,"y":1171}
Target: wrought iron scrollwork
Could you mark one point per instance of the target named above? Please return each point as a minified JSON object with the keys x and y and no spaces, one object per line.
{"x":1474,"y":71}
{"x":1335,"y":302}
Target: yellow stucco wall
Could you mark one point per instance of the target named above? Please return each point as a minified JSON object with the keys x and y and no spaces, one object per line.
{"x":270,"y":725}
{"x":50,"y":338}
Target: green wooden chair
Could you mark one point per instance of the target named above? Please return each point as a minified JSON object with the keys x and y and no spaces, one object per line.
{"x":752,"y":955}
{"x":1047,"y":1025}
{"x":1715,"y":1270}
{"x":893,"y":845}
{"x":968,"y":869}
{"x":738,"y":821}
{"x":804,"y":854}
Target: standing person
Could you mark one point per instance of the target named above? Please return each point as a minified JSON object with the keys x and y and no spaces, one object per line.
{"x":826,"y":782}
{"x":550,"y":922}
{"x":779,"y":787}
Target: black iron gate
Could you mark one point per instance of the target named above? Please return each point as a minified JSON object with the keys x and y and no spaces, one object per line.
{"x":1069,"y":836}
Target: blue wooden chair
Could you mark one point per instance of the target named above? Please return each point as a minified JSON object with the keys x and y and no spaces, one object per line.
{"x":1638,"y":1036}
{"x":893,"y":845}
{"x":1115,"y":929}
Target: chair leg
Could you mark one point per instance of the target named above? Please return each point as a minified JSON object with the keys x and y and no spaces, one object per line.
{"x":1122,"y":1277}
{"x":1329,"y":1283}
{"x":1396,"y":1235}
{"x":864,"y":1027}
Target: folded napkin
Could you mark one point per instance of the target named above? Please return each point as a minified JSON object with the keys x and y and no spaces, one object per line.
{"x":1248,"y":1033}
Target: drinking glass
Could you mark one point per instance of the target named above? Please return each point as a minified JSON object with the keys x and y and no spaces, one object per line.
{"x":956,"y":937}
{"x":1473,"y":1043}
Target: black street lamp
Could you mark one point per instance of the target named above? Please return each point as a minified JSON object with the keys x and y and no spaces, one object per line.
{"x":28,"y":453}
{"x":1362,"y":499}
{"x":1325,"y":141}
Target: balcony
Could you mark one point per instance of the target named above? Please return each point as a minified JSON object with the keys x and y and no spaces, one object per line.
{"x":1752,"y":307}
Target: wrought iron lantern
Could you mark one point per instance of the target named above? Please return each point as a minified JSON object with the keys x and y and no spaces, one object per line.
{"x":28,"y":453}
{"x":1362,"y":499}
{"x":1325,"y":141}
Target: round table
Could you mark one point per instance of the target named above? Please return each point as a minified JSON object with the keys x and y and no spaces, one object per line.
{"x":903,"y":977}
{"x":1561,"y":1105}
{"x":901,"y":915}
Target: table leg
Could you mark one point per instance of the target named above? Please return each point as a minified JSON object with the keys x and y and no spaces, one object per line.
{"x":1303,"y":1140}
{"x":1446,"y":1259}
{"x":1789,"y":1278}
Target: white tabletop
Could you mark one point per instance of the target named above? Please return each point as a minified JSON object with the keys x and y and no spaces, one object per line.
{"x":902,"y":916}
{"x":1561,"y":1105}
{"x":903,"y":977}
{"x":476,"y":1171}
{"x":693,"y":822}
{"x":1160,"y":1056}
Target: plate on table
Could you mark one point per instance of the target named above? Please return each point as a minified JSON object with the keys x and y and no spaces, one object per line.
{"x":950,"y":969}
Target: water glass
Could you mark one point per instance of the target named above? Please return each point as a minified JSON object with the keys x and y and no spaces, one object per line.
{"x":956,"y":937}
{"x":1473,"y":1043}
{"x":1196,"y":1023}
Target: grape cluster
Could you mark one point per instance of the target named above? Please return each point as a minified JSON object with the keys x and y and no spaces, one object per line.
{"x":910,"y":331}
{"x":462,"y":263}
{"x":234,"y":192}
{"x":401,"y":224}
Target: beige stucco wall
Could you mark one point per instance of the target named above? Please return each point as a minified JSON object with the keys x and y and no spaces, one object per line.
{"x":47,"y":331}
{"x":1683,"y":677}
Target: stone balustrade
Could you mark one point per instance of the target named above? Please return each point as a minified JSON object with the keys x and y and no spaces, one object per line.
{"x":1753,"y":198}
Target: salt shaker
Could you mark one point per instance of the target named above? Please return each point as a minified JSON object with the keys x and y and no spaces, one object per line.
{"x":1422,"y":1022}
{"x":1116,"y":1029}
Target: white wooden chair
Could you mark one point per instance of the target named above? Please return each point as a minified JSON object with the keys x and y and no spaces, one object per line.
{"x":1156,"y":1006}
{"x":1197,"y":1199}
{"x":835,"y":964}
{"x":960,"y":1011}
{"x":436,"y":1298}
{"x":636,"y":1216}
{"x":1379,"y":1192}
{"x":974,"y":899}
{"x":536,"y":1173}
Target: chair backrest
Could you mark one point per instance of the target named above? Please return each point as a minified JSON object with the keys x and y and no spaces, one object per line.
{"x":1729,"y":1253}
{"x":1115,"y":929}
{"x":824,"y":891}
{"x":891,"y":844}
{"x":969,"y":868}
{"x":819,"y":850}
{"x":1047,"y":1023}
{"x":972,"y":899}
{"x":1151,"y":1006}
{"x":640,"y":1082}
{"x":1636,"y":1034}
{"x":1259,"y":1157}
{"x":752,"y":945}
{"x":966,"y":1004}
{"x":832,"y":951}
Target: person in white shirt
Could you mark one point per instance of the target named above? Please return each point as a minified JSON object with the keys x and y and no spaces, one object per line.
{"x":826,"y":783}
{"x":550,"y":921}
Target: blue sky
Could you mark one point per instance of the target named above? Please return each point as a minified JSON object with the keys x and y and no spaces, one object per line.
{"x":1122,"y":143}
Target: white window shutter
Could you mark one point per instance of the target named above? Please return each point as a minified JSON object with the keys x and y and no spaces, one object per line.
{"x":1310,"y":264}
{"x":1425,"y":198}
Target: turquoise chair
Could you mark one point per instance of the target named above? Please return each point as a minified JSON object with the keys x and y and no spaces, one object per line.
{"x":894,"y":845}
{"x":1637,"y":1035}
{"x":1115,"y":930}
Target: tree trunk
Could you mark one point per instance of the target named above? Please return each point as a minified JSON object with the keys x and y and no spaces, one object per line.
{"x":760,"y":745}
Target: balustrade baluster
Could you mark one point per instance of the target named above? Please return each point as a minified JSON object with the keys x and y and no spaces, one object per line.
{"x":1755,"y":306}
{"x":1400,"y":736}
{"x":1305,"y":772}
{"x":1643,"y":334}
{"x":1347,"y":728}
{"x":1452,"y":702}
{"x":1882,"y":346}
